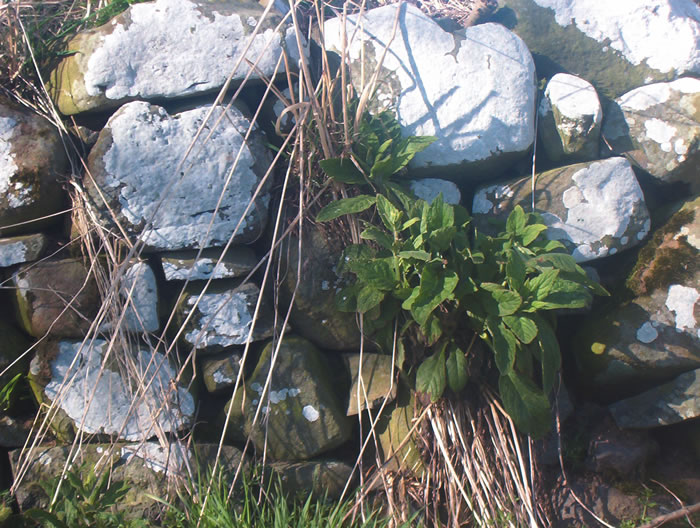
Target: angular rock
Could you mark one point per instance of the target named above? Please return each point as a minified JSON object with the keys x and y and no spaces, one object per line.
{"x":139,"y":294}
{"x":111,"y":402}
{"x":595,"y":209}
{"x":666,"y":404}
{"x":32,"y":162}
{"x":185,"y":265}
{"x":653,"y":336}
{"x":220,"y":371}
{"x":393,"y":428}
{"x":136,"y":168}
{"x":617,"y":46}
{"x":658,"y":127}
{"x":320,"y":478}
{"x":376,"y":383}
{"x":20,"y":249}
{"x":300,"y":414}
{"x":168,"y":49}
{"x":428,"y":189}
{"x":56,"y":297}
{"x":475,"y":91}
{"x":315,"y":314}
{"x":223,"y":317}
{"x":570,"y":119}
{"x":618,"y":453}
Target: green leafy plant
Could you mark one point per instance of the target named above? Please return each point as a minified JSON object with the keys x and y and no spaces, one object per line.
{"x":8,"y":393}
{"x":426,"y":264}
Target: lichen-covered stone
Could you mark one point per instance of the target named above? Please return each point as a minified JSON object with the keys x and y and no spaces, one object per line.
{"x":300,"y":415}
{"x":393,"y":429}
{"x":428,"y":189}
{"x":169,"y":49}
{"x":32,"y":163}
{"x":658,"y":127}
{"x":185,"y":265}
{"x":323,"y":479}
{"x":220,"y":371}
{"x":570,"y":119}
{"x":223,"y":316}
{"x":375,"y":385}
{"x":655,"y":335}
{"x":21,"y":249}
{"x":595,"y":209}
{"x":475,"y":91}
{"x":139,"y":296}
{"x":617,"y":46}
{"x":666,"y":404}
{"x":108,"y":398}
{"x":55,"y":297}
{"x":232,"y":418}
{"x":314,"y":314}
{"x":137,"y":167}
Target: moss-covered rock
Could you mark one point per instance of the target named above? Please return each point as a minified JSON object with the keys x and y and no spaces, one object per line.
{"x":220,"y":371}
{"x":321,"y":478}
{"x":372,"y":384}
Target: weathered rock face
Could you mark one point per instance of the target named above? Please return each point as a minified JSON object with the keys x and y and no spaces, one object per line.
{"x":314,"y":314}
{"x":301,"y":417}
{"x":428,"y":189}
{"x":57,"y":297}
{"x":570,"y":119}
{"x":393,"y":428}
{"x":107,"y":402}
{"x":20,"y":249}
{"x":139,"y":296}
{"x":658,"y":127}
{"x":169,"y":49}
{"x":136,"y":164}
{"x":223,"y":317}
{"x":666,"y":404}
{"x":474,"y":92}
{"x":219,"y":372}
{"x":184,"y":265}
{"x":654,"y":336}
{"x":617,"y":47}
{"x":321,"y":478}
{"x":32,"y":161}
{"x":374,"y":386}
{"x":595,"y":209}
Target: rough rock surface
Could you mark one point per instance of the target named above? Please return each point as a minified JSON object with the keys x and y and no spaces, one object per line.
{"x":219,"y":372}
{"x":168,"y":49}
{"x":32,"y":162}
{"x":58,"y":297}
{"x":139,"y":293}
{"x":136,"y":165}
{"x":392,"y":429}
{"x":321,"y":478}
{"x":185,"y":265}
{"x":474,"y":92}
{"x":299,"y":414}
{"x":619,"y":453}
{"x":658,"y":127}
{"x":616,"y":46}
{"x":105,"y":402}
{"x":20,"y":249}
{"x":666,"y":404}
{"x":376,"y":383}
{"x":428,"y":189}
{"x":223,"y":316}
{"x":570,"y":119}
{"x":595,"y":209}
{"x":655,"y":335}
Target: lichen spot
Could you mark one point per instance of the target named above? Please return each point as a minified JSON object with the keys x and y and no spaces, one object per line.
{"x":647,"y":333}
{"x":681,"y":301}
{"x":660,"y":132}
{"x":310,"y":413}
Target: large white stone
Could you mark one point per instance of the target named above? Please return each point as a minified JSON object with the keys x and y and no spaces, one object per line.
{"x":475,"y":93}
{"x":136,"y":163}
{"x":16,"y":250}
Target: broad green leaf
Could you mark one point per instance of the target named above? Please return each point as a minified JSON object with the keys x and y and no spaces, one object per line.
{"x":506,"y":302}
{"x":430,"y":377}
{"x":504,"y":346}
{"x":356,"y":204}
{"x":525,"y":404}
{"x":524,"y":328}
{"x":515,"y":270}
{"x":456,"y":369}
{"x":342,"y":170}
{"x":561,"y":261}
{"x":553,"y":245}
{"x":378,"y":236}
{"x":516,"y":220}
{"x":389,"y":214}
{"x":542,"y":284}
{"x":346,"y":298}
{"x":550,"y":356}
{"x":441,"y":238}
{"x":435,"y":287}
{"x":368,"y":298}
{"x":409,"y":223}
{"x":437,"y":215}
{"x":531,"y":232}
{"x":432,"y":330}
{"x":377,"y":273}
{"x":418,"y":255}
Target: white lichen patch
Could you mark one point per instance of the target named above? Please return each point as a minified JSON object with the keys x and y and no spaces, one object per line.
{"x":142,"y":166}
{"x":660,"y":132}
{"x":101,"y":400}
{"x":225,"y":319}
{"x":170,"y":48}
{"x":140,"y":292}
{"x":692,"y":238}
{"x":641,"y":30}
{"x":481,"y":203}
{"x":647,"y":333}
{"x":12,"y":252}
{"x":171,"y":460}
{"x":220,"y":378}
{"x":428,"y":189}
{"x":201,"y":269}
{"x":573,"y":97}
{"x":681,"y":301}
{"x":310,"y":413}
{"x":8,"y":167}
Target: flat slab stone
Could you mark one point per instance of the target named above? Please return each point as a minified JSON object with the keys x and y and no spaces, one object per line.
{"x":102,"y":400}
{"x":474,"y":91}
{"x":658,"y":127}
{"x":321,"y":478}
{"x":135,"y":166}
{"x":595,"y":209}
{"x":20,"y":249}
{"x":32,"y":163}
{"x":220,"y":372}
{"x":184,"y":265}
{"x":139,"y":296}
{"x":376,"y":384}
{"x":667,"y":404}
{"x":169,"y":49}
